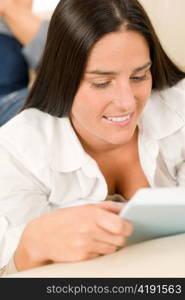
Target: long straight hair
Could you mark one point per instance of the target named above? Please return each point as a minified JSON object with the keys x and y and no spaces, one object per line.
{"x":76,"y":25}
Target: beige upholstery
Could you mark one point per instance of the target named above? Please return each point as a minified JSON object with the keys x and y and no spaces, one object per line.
{"x":162,"y":257}
{"x":168,"y":19}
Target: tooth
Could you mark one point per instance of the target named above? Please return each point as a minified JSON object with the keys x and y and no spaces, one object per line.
{"x":118,"y":119}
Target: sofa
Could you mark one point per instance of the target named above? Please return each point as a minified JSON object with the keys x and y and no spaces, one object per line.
{"x":162,"y":257}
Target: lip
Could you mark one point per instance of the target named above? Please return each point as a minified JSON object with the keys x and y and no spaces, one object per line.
{"x":119,"y":123}
{"x":119,"y":116}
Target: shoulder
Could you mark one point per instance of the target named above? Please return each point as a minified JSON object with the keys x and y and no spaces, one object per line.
{"x":30,"y":123}
{"x":31,"y":135}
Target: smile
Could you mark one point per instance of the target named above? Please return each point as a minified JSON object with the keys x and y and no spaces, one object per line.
{"x":119,"y":119}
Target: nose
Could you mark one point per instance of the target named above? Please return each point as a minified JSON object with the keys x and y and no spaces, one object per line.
{"x":124,"y":97}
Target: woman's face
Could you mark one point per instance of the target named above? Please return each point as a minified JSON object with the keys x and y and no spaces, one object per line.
{"x":116,"y":85}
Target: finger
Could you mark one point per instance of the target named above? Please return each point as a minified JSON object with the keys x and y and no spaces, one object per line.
{"x":128,"y":228}
{"x":103,"y":248}
{"x":112,"y":206}
{"x":113,"y":223}
{"x":112,"y":239}
{"x":93,"y":255}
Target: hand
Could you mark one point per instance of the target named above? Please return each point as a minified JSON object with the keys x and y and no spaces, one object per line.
{"x":72,"y":234}
{"x":22,"y":22}
{"x":24,"y":3}
{"x":19,"y":3}
{"x":5,"y":5}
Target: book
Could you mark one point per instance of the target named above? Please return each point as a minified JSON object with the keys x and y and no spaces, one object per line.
{"x":155,"y":212}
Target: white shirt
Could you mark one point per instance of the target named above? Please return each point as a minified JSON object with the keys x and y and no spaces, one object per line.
{"x":44,"y":167}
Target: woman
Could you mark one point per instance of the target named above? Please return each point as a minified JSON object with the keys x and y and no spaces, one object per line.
{"x":100,"y":122}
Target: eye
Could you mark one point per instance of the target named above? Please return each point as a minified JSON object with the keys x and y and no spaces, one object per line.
{"x":100,"y":85}
{"x":139,"y":78}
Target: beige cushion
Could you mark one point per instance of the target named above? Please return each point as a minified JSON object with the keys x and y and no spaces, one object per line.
{"x":162,"y":257}
{"x":168,"y":19}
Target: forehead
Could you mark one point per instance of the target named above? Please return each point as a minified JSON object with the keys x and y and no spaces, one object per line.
{"x":119,"y":49}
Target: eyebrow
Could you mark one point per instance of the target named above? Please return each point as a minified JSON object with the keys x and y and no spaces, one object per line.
{"x":100,"y":72}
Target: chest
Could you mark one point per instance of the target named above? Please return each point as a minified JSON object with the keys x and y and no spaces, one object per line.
{"x":124,"y":176}
{"x":126,"y":181}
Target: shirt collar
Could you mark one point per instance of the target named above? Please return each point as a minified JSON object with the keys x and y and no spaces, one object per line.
{"x":68,"y":152}
{"x":163,"y":113}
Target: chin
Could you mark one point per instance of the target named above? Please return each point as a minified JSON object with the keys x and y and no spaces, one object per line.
{"x":122,"y":140}
{"x":119,"y":143}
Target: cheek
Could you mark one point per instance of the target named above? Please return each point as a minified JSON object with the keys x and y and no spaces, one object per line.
{"x":82,"y":107}
{"x":79,"y":103}
{"x":88,"y":101}
{"x":144,"y":93}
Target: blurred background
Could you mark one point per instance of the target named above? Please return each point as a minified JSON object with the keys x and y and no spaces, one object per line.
{"x":168,"y":19}
{"x":44,"y":5}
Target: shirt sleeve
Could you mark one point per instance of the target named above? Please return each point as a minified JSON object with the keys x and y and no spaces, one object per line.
{"x":22,"y":198}
{"x":179,"y":152}
{"x":34,"y":50}
{"x":181,"y":175}
{"x":9,"y":269}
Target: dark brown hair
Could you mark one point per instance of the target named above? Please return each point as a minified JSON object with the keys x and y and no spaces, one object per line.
{"x":76,"y":25}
